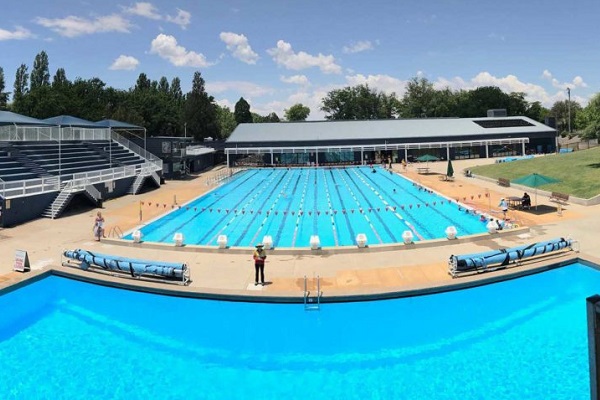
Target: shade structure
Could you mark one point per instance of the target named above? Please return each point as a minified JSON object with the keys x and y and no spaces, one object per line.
{"x":427,"y":158}
{"x":535,"y":180}
{"x":450,"y":169}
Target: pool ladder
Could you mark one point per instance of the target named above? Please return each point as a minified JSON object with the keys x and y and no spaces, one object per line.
{"x":312,"y":303}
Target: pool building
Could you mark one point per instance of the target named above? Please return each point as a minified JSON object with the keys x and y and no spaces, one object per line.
{"x":364,"y":142}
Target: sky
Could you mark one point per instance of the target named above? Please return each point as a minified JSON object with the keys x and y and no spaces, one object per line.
{"x":276,"y":53}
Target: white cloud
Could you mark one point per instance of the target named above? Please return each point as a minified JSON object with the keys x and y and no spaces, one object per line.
{"x":284,"y":55}
{"x":73,"y":26}
{"x":143,"y":9}
{"x":246,"y":89}
{"x":384,"y":83}
{"x":239,"y":47}
{"x":19,"y":33}
{"x":167,"y":48}
{"x":576,"y":82}
{"x":508,"y":84}
{"x":123,"y":62}
{"x":361,"y":45}
{"x":296,"y":79}
{"x":183,"y":18}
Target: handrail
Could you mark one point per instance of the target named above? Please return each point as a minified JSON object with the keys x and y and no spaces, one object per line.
{"x":115,"y":231}
{"x":138,"y":150}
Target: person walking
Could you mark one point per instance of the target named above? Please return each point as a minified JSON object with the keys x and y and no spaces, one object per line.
{"x":503,"y":206}
{"x":259,"y":263}
{"x":99,"y":226}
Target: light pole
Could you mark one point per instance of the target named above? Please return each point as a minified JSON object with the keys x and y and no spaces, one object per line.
{"x":185,"y":129}
{"x":569,"y":107}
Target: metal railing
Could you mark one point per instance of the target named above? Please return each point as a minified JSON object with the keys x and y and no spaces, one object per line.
{"x":52,"y":184}
{"x":138,"y":150}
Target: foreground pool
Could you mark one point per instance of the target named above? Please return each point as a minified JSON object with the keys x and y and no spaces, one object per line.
{"x":521,"y":339}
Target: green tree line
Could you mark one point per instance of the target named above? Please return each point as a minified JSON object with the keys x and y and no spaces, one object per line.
{"x":163,"y":109}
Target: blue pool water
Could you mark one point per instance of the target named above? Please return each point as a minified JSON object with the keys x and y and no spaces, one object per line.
{"x":520,"y":339}
{"x":291,"y":205}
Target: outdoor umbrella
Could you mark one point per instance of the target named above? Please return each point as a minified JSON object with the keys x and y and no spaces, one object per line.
{"x":450,"y":170}
{"x":426,"y":158}
{"x":534,"y":180}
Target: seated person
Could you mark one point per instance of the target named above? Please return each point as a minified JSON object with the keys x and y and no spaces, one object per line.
{"x":500,"y":224}
{"x":526,"y":201}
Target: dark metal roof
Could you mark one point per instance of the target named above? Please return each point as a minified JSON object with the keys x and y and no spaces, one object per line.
{"x":68,"y":120}
{"x":316,"y":131}
{"x":114,"y":124}
{"x":11,"y":118}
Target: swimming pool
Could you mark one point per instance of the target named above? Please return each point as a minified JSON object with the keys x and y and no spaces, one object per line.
{"x":335,"y":204}
{"x":524,"y":338}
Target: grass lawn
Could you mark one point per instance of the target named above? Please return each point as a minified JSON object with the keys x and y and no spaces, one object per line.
{"x":578,"y":172}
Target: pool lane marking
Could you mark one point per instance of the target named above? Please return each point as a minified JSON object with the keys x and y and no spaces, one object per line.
{"x":360,"y":209}
{"x":252,"y":199}
{"x":410,"y":226}
{"x":196,"y":203}
{"x":268,"y":213}
{"x":287,"y":210}
{"x":333,"y":227}
{"x":295,"y":235}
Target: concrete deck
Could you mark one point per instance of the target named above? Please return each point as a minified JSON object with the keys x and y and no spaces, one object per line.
{"x":404,"y":268}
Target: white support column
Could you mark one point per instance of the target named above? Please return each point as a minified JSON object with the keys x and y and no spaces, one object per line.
{"x":271,"y":150}
{"x":487,"y":151}
{"x":448,"y":152}
{"x":227,"y":153}
{"x":317,"y":157}
{"x":523,"y":147}
{"x":362,"y":156}
{"x":405,"y":154}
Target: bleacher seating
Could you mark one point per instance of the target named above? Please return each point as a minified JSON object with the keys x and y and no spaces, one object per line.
{"x":70,"y":157}
{"x":13,"y":170}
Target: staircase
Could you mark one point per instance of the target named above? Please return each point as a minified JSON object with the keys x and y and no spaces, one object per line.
{"x":141,"y":177}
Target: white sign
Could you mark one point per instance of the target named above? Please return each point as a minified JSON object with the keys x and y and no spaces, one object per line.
{"x":21,"y":261}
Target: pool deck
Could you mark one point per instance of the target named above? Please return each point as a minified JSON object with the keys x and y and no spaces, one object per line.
{"x":346,"y":273}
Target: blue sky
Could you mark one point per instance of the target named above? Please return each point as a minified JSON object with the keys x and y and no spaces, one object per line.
{"x":278,"y":53}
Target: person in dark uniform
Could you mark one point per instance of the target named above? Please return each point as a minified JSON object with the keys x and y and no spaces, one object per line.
{"x":259,"y":263}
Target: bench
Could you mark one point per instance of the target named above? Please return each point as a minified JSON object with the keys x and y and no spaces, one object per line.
{"x":561,"y":198}
{"x":423,"y":170}
{"x":503,"y":182}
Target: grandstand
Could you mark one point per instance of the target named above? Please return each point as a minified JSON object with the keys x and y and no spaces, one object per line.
{"x":45,"y":164}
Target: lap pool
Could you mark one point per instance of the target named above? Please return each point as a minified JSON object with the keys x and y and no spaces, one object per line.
{"x":520,"y":339}
{"x":292,"y":205}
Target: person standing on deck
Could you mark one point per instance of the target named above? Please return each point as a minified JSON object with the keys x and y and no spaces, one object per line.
{"x":259,"y":263}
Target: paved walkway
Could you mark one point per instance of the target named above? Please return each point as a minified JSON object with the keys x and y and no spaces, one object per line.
{"x":344,"y":273}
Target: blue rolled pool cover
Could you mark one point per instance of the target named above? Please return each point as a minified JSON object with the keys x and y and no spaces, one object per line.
{"x":503,"y":257}
{"x":131,"y":265}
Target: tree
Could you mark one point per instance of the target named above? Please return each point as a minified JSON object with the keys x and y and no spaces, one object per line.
{"x":142,"y":83}
{"x":418,"y":100}
{"x":297,"y":112}
{"x":359,"y":103}
{"x":163,"y":85}
{"x":3,"y":94}
{"x":536,"y":111}
{"x":226,"y":121}
{"x":588,"y":119}
{"x":40,"y":73}
{"x":560,"y":110}
{"x":200,"y":111}
{"x":175,"y":89}
{"x":21,"y":88}
{"x":242,"y":112}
